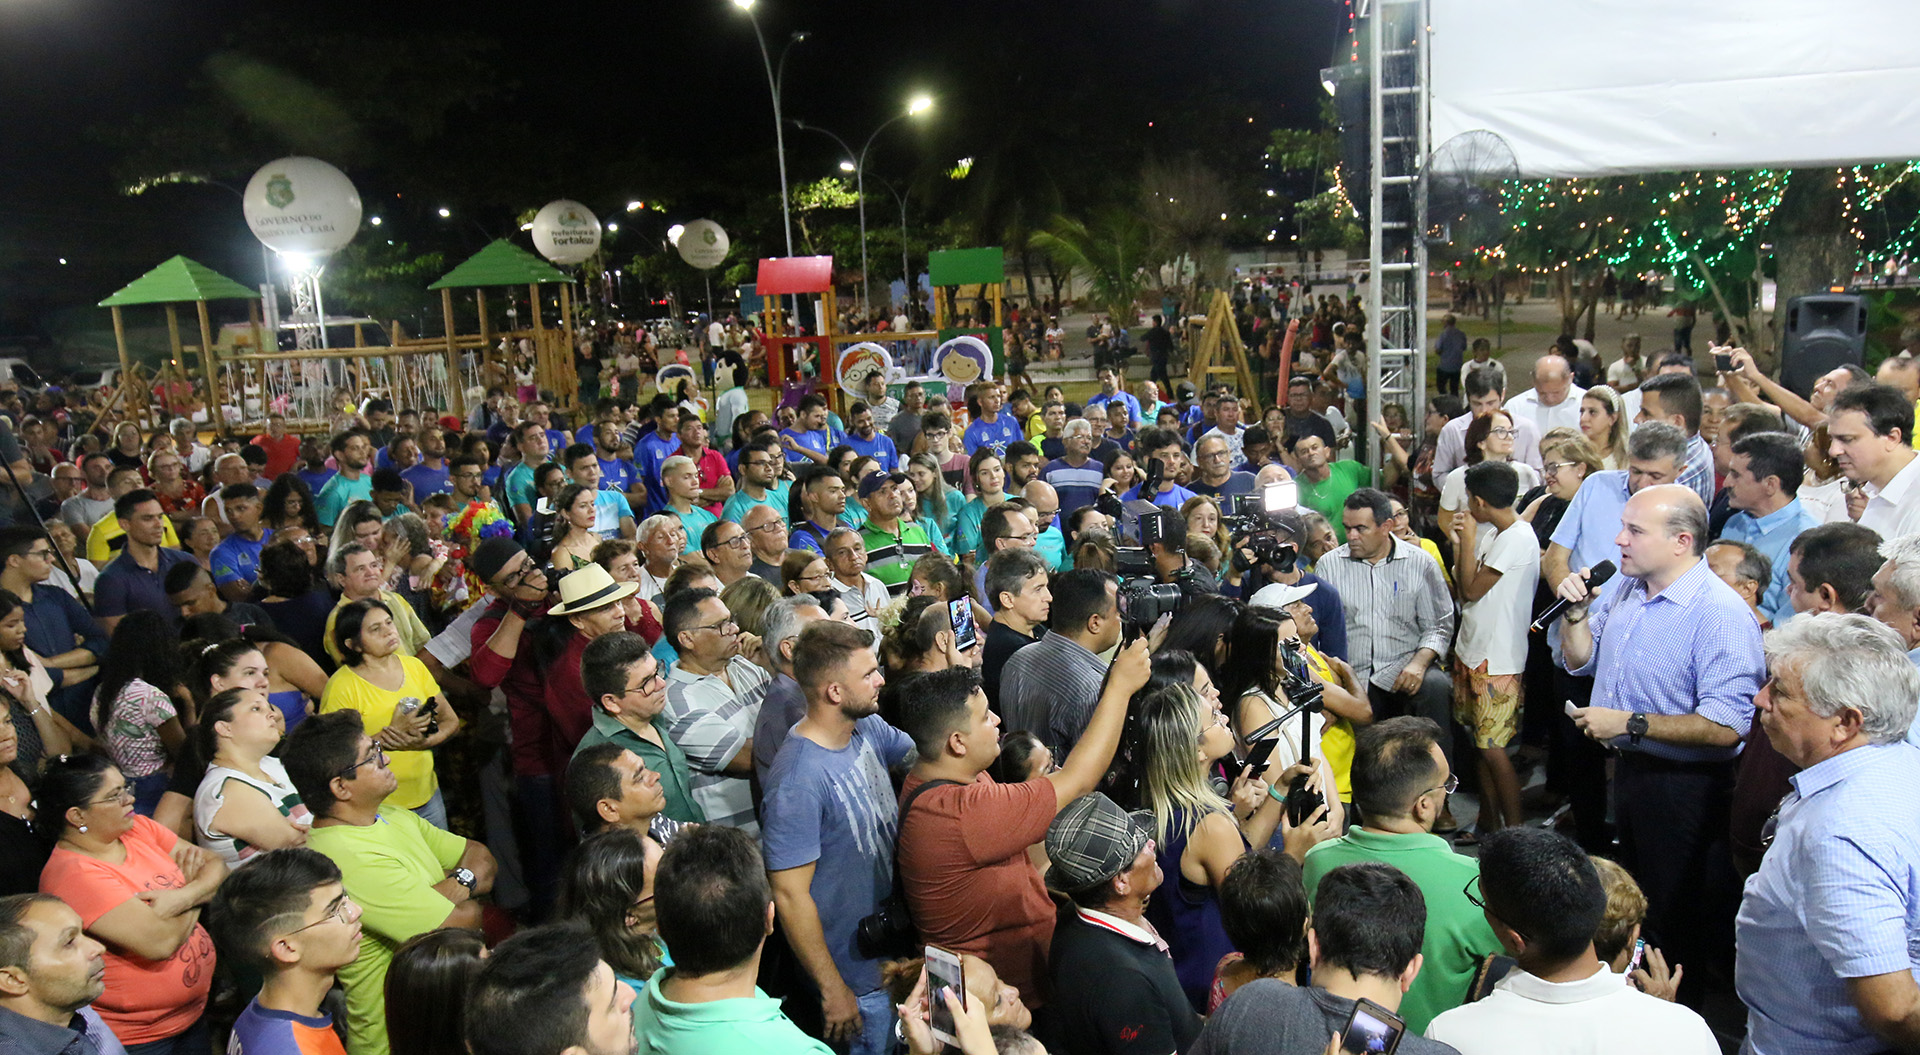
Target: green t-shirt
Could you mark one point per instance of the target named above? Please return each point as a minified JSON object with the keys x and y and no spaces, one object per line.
{"x":1458,"y":935}
{"x":890,"y":557}
{"x":749,"y":1023}
{"x":1329,"y":496}
{"x":676,"y":778}
{"x":389,"y":869}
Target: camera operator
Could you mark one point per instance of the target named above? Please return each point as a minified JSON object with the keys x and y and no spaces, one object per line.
{"x":1289,"y":531}
{"x":1171,"y":565}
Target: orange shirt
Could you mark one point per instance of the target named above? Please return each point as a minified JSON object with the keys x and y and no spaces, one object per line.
{"x":145,"y":1000}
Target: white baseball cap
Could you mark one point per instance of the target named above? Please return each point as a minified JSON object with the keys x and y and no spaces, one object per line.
{"x":1282,"y":594}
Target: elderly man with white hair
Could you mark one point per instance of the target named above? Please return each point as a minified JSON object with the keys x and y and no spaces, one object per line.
{"x":1075,"y":476}
{"x":662,"y":540}
{"x":1895,"y":600}
{"x":1827,"y":928}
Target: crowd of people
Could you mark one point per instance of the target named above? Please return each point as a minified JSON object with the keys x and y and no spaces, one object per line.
{"x":692,"y":729}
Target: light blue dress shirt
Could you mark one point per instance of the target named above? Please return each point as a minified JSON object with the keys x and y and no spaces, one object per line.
{"x":1772,"y":535}
{"x":1837,"y":897}
{"x":1693,"y":649}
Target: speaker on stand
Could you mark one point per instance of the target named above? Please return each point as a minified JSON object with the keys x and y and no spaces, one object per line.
{"x":1822,"y":331}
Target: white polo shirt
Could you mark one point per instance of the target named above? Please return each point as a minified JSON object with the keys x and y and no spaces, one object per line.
{"x":1597,"y":1015}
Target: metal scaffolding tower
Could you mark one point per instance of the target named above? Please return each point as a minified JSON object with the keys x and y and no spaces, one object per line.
{"x":1396,"y":44}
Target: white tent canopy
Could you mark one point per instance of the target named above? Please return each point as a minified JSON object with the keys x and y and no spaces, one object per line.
{"x":1607,"y":87}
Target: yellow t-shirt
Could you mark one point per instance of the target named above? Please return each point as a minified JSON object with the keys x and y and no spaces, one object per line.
{"x":107,"y":529}
{"x":1336,"y":740}
{"x":414,"y":634}
{"x":389,"y":868}
{"x":348,"y":691}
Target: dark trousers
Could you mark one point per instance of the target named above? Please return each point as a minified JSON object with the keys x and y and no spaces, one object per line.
{"x":1673,"y":819}
{"x":191,"y":1041}
{"x":545,"y":834}
{"x":1446,"y":382}
{"x":1157,"y":373}
{"x":1578,"y":765}
{"x":1433,"y":699}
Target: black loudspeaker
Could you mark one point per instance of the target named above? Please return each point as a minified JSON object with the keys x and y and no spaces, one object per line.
{"x":1822,"y":331}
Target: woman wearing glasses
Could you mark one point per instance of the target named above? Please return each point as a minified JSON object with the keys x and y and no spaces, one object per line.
{"x":804,"y":572}
{"x":397,"y":697}
{"x":139,"y":889}
{"x":1489,"y":439}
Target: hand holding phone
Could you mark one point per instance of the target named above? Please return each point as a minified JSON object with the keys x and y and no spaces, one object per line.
{"x":960,"y":614}
{"x":1371,"y":1030}
{"x":944,"y":974}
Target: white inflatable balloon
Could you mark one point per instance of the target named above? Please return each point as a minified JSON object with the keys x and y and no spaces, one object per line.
{"x":703,"y":244}
{"x":302,"y":205}
{"x":566,"y":232}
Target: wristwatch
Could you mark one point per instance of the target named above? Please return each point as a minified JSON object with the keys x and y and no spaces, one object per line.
{"x":1636,"y":728}
{"x":465,"y":877}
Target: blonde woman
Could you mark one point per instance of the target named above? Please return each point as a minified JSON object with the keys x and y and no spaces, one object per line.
{"x":1603,"y":421}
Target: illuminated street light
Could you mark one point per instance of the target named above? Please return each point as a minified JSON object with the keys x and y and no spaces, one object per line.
{"x":374,"y":221}
{"x":446,"y":213}
{"x":919,"y":104}
{"x":674,"y":232}
{"x":636,"y":206}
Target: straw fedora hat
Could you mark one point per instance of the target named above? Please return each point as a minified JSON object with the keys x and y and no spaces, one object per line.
{"x":589,"y":588}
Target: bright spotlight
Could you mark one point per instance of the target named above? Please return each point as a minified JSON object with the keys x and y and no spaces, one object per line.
{"x":846,"y":166}
{"x":674,"y":232}
{"x":920,"y":104}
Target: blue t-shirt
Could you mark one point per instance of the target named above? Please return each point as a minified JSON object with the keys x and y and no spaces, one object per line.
{"x":819,"y":441}
{"x":617,"y":474}
{"x":879,"y":448}
{"x":1173,"y":498}
{"x":1100,"y":400}
{"x":648,"y":455}
{"x":315,"y":479}
{"x":427,"y":480}
{"x":339,"y":493}
{"x":995,"y":434}
{"x":264,"y":1031}
{"x":124,"y":586}
{"x":742,"y":503}
{"x":836,"y":809}
{"x":237,"y":559}
{"x":695,"y":520}
{"x":608,"y":508}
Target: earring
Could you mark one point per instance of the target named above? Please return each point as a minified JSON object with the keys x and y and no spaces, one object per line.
{"x":83,"y":829}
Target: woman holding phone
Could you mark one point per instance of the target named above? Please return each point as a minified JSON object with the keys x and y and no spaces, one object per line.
{"x":398,"y":699}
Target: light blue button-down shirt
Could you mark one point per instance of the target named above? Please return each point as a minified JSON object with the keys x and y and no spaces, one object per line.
{"x":1837,"y":897}
{"x":1773,"y":536}
{"x":1693,"y":649}
{"x":1592,"y":520}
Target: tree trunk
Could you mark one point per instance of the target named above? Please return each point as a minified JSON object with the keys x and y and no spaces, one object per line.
{"x":1811,"y":246}
{"x":1563,"y":296}
{"x":1026,"y":271}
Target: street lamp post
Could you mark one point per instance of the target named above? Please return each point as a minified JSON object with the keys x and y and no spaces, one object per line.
{"x":906,"y":274}
{"x":918,"y":105}
{"x":774,"y":80}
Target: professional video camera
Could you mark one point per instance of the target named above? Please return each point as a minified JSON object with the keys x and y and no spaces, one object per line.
{"x":1143,"y":600}
{"x":1252,"y":521}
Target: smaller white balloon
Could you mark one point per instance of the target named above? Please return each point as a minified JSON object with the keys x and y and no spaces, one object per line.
{"x":566,"y":232}
{"x":703,"y":244}
{"x":301,"y":205}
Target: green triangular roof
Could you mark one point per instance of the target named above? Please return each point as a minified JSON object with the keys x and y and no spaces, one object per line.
{"x":178,"y":281}
{"x":500,"y":264}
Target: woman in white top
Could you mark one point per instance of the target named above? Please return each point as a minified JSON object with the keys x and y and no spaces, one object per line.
{"x":245,"y":804}
{"x":1489,"y":439}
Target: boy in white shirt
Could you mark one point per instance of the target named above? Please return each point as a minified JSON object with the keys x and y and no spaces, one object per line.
{"x":1496,"y":576}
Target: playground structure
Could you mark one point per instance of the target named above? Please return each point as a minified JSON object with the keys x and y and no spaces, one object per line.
{"x":809,"y":279}
{"x":246,"y":376}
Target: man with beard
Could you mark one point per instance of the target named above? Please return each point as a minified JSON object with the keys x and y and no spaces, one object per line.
{"x":352,"y":450}
{"x":828,"y":798}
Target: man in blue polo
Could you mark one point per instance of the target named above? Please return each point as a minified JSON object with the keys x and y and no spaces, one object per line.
{"x":1763,"y":483}
{"x":137,"y":578}
{"x":1110,"y":392}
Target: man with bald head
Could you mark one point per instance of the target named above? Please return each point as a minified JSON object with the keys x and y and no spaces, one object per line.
{"x":767,"y":541}
{"x":1050,"y":542}
{"x":1676,"y":659}
{"x":1553,"y":401}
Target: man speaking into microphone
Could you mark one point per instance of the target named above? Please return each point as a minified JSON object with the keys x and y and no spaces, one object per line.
{"x":1676,"y":659}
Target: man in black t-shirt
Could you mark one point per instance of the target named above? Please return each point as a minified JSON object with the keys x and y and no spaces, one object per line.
{"x":1115,"y":991}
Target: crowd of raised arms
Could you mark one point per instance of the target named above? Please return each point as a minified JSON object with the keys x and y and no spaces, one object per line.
{"x":682,"y":728}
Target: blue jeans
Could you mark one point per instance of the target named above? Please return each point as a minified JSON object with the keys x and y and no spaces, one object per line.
{"x":876,"y":1025}
{"x":147,"y":792}
{"x":434,"y":811}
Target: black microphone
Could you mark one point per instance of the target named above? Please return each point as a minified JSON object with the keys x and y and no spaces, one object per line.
{"x":1596,"y":578}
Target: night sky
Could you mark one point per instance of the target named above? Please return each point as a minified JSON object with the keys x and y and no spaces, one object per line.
{"x":608,"y":102}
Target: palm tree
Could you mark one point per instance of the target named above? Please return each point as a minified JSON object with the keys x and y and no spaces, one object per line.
{"x":1111,"y":251}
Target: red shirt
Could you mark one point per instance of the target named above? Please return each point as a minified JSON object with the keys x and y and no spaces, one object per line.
{"x":713,"y":469}
{"x":963,"y":858}
{"x":524,"y":687}
{"x":281,"y":453}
